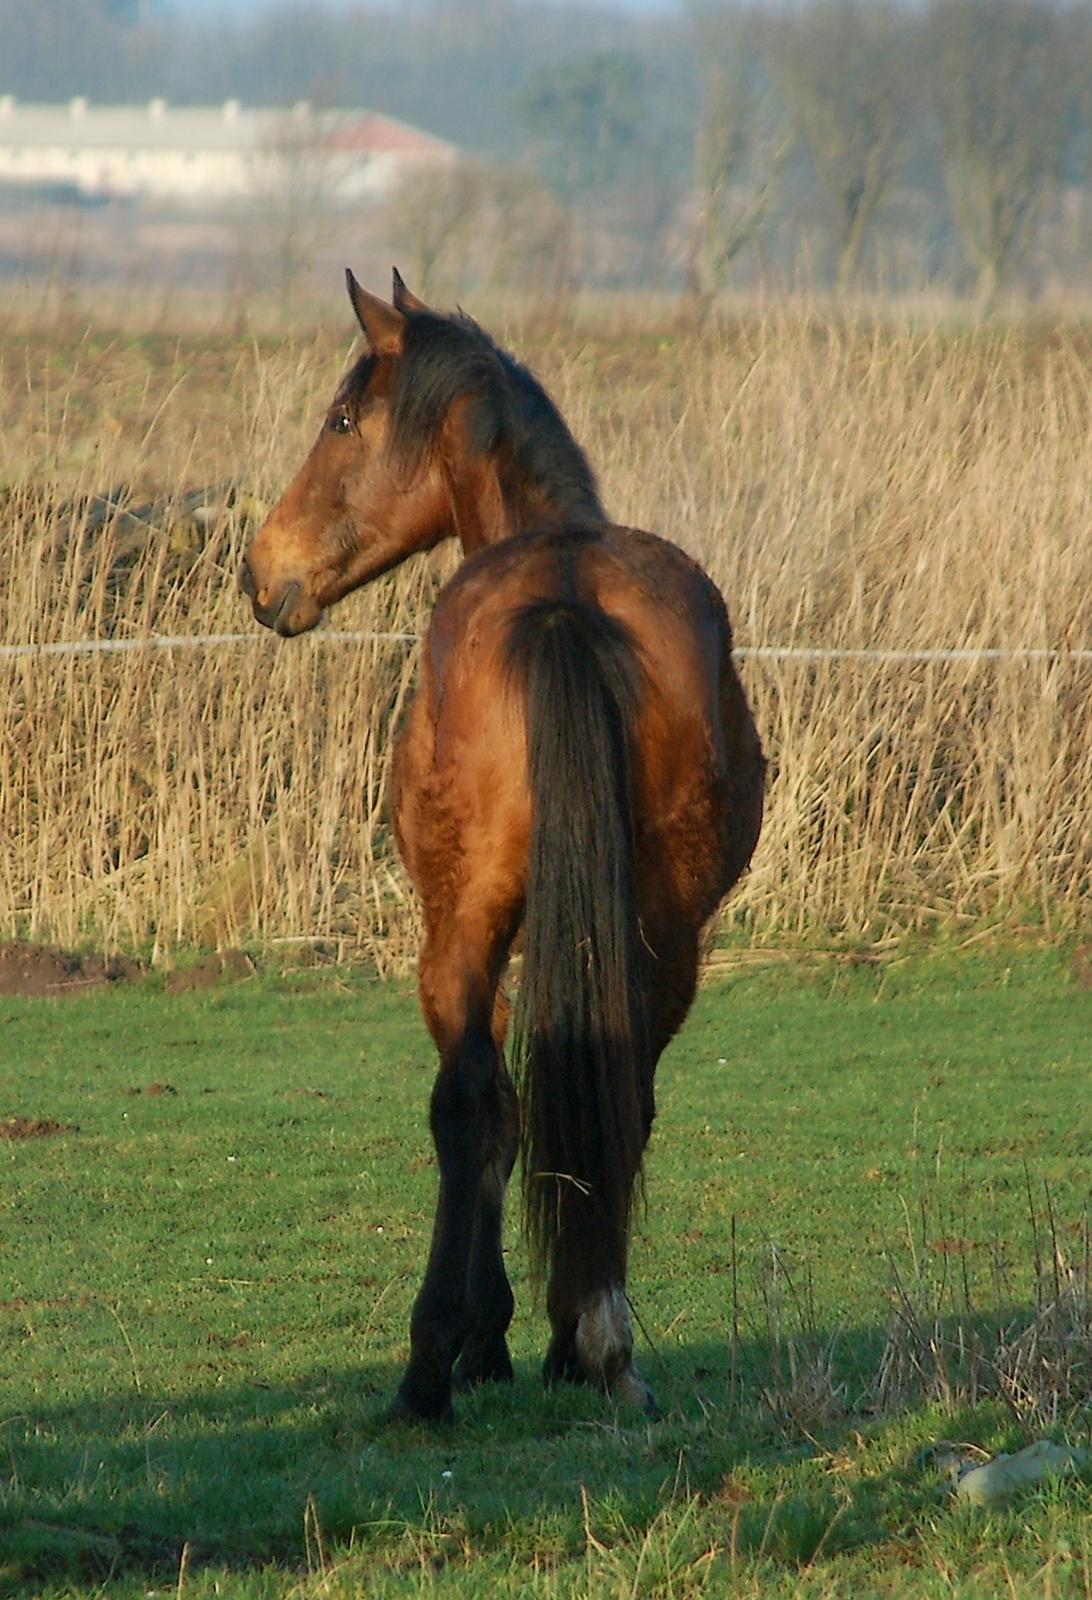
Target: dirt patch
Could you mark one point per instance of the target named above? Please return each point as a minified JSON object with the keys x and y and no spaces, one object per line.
{"x":38,"y":970}
{"x":227,"y":966}
{"x":153,"y":1088}
{"x":33,"y":1128}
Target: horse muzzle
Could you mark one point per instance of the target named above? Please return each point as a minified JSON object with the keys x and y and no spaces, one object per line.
{"x":288,"y":611}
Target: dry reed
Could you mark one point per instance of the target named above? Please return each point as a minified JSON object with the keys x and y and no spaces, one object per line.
{"x":850,"y":485}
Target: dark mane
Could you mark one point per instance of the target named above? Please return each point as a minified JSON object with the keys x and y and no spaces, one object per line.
{"x":445,"y":358}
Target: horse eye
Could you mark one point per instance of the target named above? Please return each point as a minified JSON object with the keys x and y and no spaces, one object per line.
{"x":341,"y":422}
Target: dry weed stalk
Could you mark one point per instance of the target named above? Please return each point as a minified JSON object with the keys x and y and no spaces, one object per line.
{"x":799,"y":1387}
{"x":1038,"y":1361}
{"x":848,"y":485}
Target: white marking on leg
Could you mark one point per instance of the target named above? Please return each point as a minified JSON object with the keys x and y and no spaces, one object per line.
{"x":604,"y":1337}
{"x":604,"y":1343}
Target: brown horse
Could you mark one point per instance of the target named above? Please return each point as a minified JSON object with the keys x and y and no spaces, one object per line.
{"x":579,"y":762}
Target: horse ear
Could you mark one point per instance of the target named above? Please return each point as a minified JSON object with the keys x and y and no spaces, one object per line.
{"x":383,"y":325}
{"x":405,"y":299}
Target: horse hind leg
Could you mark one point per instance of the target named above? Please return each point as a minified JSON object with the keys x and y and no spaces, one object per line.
{"x":592,"y":1339}
{"x":597,"y":1346}
{"x":465,"y":1301}
{"x":484,"y":1357}
{"x":589,"y":1310}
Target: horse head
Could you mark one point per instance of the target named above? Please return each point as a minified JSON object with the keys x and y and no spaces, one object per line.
{"x":351,"y":512}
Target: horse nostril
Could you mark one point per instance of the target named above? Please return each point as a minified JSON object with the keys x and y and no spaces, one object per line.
{"x":246,"y":579}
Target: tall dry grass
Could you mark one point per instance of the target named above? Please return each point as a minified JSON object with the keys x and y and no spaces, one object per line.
{"x":859,"y":485}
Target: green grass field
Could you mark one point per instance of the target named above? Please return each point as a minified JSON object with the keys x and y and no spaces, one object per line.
{"x":205,"y":1283}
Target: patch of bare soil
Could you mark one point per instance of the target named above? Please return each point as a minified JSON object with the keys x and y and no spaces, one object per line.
{"x":33,"y":1128}
{"x":226,"y":966}
{"x":39,"y":969}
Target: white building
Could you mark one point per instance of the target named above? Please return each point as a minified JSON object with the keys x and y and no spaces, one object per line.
{"x":201,"y":154}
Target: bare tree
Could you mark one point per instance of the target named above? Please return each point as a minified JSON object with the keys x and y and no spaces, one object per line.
{"x":528,"y":243}
{"x":295,"y":174}
{"x":1001,"y":87}
{"x":430,"y":219}
{"x":847,"y":69}
{"x":742,"y":144}
{"x":475,"y":221}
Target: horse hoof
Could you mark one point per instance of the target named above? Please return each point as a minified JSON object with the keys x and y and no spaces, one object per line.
{"x":495,"y":1367}
{"x":630,"y":1389}
{"x":404,"y":1411}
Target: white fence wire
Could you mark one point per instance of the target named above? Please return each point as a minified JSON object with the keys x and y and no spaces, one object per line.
{"x":198,"y":641}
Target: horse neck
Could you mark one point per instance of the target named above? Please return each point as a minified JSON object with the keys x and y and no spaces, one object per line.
{"x":488,"y":506}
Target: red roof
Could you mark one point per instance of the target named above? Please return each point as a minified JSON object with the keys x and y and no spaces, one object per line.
{"x":375,"y":132}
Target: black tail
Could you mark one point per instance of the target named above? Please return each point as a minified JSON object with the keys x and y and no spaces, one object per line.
{"x":580,"y":1025}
